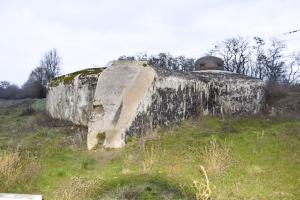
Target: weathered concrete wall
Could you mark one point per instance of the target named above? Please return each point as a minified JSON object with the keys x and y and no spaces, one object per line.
{"x":132,"y":98}
{"x":178,"y":96}
{"x":70,"y":97}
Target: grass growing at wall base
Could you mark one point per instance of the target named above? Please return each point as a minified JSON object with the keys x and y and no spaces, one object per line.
{"x":245,"y":158}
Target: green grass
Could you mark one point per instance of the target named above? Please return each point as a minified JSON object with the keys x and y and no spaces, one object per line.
{"x":263,"y":160}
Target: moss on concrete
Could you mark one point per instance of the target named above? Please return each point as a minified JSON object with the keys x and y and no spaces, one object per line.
{"x":69,"y":78}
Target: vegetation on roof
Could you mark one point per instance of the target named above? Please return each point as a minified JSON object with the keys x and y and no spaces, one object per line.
{"x":68,"y":78}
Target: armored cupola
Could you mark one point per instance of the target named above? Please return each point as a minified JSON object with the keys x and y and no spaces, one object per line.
{"x":209,"y":63}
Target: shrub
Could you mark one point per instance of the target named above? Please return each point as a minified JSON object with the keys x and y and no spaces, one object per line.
{"x":283,"y":100}
{"x":275,"y":92}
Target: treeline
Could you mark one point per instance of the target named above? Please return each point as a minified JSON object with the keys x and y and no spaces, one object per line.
{"x":164,"y":60}
{"x":256,"y":57}
{"x":267,"y":60}
{"x":35,"y":86}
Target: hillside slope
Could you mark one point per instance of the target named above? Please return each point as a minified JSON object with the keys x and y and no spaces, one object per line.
{"x":243,"y":158}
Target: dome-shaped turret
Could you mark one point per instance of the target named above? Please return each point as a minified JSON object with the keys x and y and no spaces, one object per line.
{"x":209,"y":63}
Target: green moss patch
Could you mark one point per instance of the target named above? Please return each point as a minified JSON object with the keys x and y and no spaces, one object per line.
{"x":69,"y":78}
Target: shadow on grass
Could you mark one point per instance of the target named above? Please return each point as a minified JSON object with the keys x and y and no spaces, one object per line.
{"x":143,"y":186}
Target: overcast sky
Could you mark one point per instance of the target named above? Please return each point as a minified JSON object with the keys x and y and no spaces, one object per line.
{"x":90,"y":33}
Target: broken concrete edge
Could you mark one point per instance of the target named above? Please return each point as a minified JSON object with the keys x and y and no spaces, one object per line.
{"x":121,"y":88}
{"x":11,"y":196}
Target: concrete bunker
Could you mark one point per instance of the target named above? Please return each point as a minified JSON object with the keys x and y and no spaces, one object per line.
{"x":132,"y":98}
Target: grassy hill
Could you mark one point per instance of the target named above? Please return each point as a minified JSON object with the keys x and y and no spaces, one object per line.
{"x":219,"y":158}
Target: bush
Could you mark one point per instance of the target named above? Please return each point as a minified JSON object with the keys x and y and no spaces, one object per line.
{"x":283,"y":99}
{"x":275,"y":92}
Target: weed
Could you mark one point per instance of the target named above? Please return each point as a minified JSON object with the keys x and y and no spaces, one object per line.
{"x":79,"y":188}
{"x":17,"y":168}
{"x":216,"y":156}
{"x":152,"y":154}
{"x":202,"y":190}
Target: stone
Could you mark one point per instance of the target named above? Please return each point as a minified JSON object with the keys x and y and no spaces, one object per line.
{"x":209,"y":63}
{"x":133,"y":98}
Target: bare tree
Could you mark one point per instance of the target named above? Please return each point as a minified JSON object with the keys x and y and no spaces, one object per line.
{"x":236,"y":53}
{"x":167,"y":61}
{"x":124,"y":57}
{"x":162,"y":60}
{"x":51,"y":64}
{"x":8,"y":90}
{"x":48,"y":69}
{"x":4,"y":84}
{"x":39,"y":75}
{"x":292,"y":70}
{"x":258,"y":69}
{"x":274,"y":61}
{"x":35,"y":86}
{"x":142,"y":56}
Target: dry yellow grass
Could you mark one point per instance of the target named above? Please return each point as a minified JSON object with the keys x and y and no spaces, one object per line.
{"x":78,"y":189}
{"x":216,"y":157}
{"x":202,"y":189}
{"x":16,"y":168}
{"x":152,"y":154}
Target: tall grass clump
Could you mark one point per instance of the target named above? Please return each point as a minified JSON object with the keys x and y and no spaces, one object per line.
{"x":202,"y":188}
{"x":79,"y":188}
{"x":152,"y":154}
{"x":216,"y":156}
{"x":17,"y":168}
